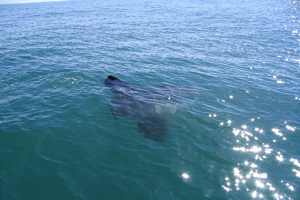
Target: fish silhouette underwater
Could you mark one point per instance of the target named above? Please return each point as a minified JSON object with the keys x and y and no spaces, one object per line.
{"x":151,"y":106}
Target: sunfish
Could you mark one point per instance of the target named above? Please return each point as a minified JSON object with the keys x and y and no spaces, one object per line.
{"x":150,"y":106}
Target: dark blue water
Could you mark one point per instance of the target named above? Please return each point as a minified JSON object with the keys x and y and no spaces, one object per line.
{"x":239,"y":140}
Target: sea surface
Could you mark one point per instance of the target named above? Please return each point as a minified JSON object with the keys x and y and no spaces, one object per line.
{"x":239,"y":140}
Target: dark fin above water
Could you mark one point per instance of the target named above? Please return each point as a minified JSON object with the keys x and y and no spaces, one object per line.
{"x":112,"y":78}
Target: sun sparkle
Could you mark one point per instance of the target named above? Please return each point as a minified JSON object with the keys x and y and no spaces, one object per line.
{"x":185,"y":176}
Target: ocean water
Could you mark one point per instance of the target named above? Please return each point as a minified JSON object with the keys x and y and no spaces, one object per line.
{"x":239,"y":140}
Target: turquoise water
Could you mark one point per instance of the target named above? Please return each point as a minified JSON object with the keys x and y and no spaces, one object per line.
{"x":239,"y":140}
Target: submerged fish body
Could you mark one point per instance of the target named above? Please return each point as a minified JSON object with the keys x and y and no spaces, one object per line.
{"x":153,"y":128}
{"x":150,"y":106}
{"x":126,"y":106}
